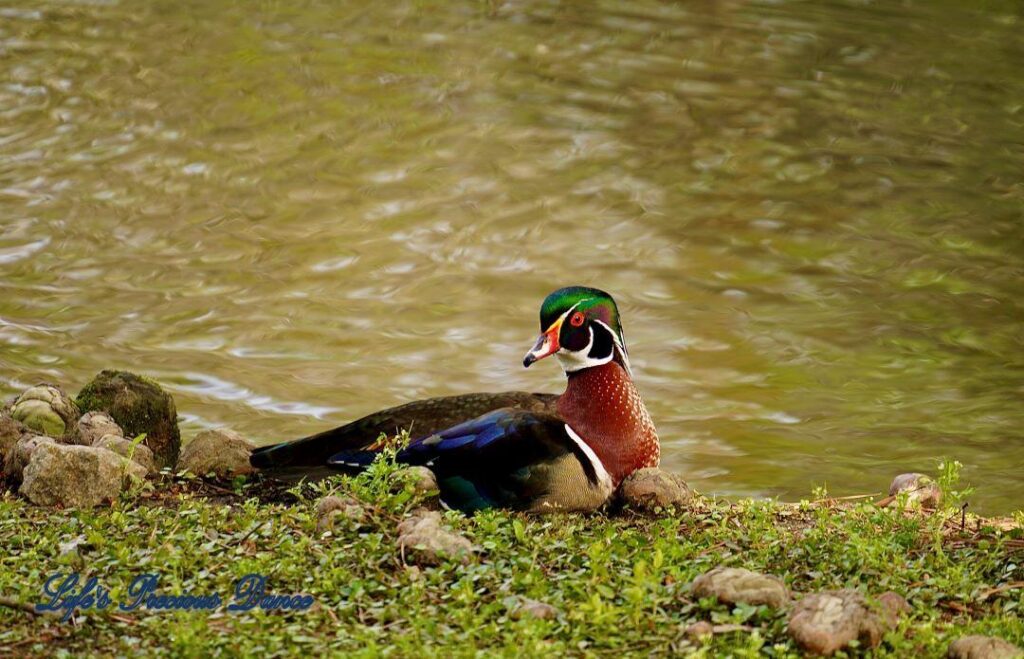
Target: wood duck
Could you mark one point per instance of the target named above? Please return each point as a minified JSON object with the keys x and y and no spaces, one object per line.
{"x":518,"y":450}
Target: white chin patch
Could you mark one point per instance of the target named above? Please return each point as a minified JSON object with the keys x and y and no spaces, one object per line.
{"x":577,"y":360}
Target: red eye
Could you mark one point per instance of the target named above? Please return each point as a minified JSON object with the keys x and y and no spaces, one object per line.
{"x":577,"y":319}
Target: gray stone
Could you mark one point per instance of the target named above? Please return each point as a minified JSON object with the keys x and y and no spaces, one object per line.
{"x":528,"y":608}
{"x":93,"y":426}
{"x":892,"y":606}
{"x":920,"y":489}
{"x":983,"y":647}
{"x":138,"y":453}
{"x":651,"y":488}
{"x":10,"y":432}
{"x":221,"y":452}
{"x":422,"y":479}
{"x":20,"y":455}
{"x":823,"y":623}
{"x":331,"y":510}
{"x":736,"y":585}
{"x":423,"y":541}
{"x":76,"y":476}
{"x":72,"y":547}
{"x":140,"y":406}
{"x":47,"y":409}
{"x":700,"y":631}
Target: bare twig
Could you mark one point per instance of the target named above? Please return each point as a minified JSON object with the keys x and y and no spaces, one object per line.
{"x":1000,"y":589}
{"x":218,"y":488}
{"x":725,"y":629}
{"x":254,"y":529}
{"x":882,"y":503}
{"x":11,"y":603}
{"x":854,"y":497}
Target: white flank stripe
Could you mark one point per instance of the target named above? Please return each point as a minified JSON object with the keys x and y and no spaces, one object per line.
{"x":602,"y":473}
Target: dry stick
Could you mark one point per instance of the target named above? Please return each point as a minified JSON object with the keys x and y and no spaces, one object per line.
{"x":1000,"y":589}
{"x":725,"y":629}
{"x":856,"y":496}
{"x":218,"y":488}
{"x":882,"y":503}
{"x":254,"y":529}
{"x":11,"y":603}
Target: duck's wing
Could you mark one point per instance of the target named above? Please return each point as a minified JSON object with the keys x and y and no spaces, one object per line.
{"x":308,"y":456}
{"x":508,"y":458}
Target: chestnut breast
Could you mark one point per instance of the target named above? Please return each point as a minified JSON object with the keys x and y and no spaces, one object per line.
{"x":604,"y":407}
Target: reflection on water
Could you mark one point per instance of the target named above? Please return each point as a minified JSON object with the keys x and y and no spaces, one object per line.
{"x":296,"y":213}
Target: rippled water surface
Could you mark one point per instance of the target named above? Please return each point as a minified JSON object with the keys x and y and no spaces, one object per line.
{"x":294,"y":213}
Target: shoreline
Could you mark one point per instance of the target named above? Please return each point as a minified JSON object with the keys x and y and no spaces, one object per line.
{"x":611,"y":581}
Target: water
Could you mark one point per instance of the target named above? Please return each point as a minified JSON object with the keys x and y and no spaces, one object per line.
{"x":296,"y":213}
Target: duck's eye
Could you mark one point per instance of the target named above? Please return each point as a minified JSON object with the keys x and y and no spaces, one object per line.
{"x":577,"y":319}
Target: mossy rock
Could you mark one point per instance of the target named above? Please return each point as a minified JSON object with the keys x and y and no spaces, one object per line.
{"x":139,"y":405}
{"x":47,"y":409}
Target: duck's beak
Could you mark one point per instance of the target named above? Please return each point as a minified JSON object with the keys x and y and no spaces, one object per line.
{"x":547,"y":344}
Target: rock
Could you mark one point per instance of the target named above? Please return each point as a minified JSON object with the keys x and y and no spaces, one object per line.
{"x":139,"y":405}
{"x":73,"y":547}
{"x":423,"y":540}
{"x":10,"y":432}
{"x":651,"y":488}
{"x":893,"y":605}
{"x":823,"y":623}
{"x":422,"y":479}
{"x":76,"y":476}
{"x":734,"y":585}
{"x":700,"y":631}
{"x":138,"y":453}
{"x":921,"y":490}
{"x":20,"y":455}
{"x":93,"y":426}
{"x":72,"y":552}
{"x":983,"y":647}
{"x":222,"y":452}
{"x":330,"y":509}
{"x":47,"y":409}
{"x":528,"y":608}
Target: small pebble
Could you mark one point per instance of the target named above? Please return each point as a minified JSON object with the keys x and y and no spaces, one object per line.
{"x":734,"y":585}
{"x":422,"y":479}
{"x":983,"y":647}
{"x":423,"y":541}
{"x":94,"y":426}
{"x":331,"y":509}
{"x":528,"y":608}
{"x":920,"y":490}
{"x":700,"y":631}
{"x":651,"y":489}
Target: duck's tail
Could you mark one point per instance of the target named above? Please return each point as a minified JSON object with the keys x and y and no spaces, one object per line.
{"x":308,"y":457}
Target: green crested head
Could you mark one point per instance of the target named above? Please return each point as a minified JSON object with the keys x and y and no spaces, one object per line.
{"x":582,"y":326}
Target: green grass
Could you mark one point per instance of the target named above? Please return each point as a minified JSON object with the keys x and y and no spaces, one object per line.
{"x":619,"y":580}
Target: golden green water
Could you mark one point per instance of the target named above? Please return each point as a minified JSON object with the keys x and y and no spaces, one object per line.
{"x":295,"y":213}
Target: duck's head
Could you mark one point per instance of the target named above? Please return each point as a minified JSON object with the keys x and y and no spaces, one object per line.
{"x":581,"y":326}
